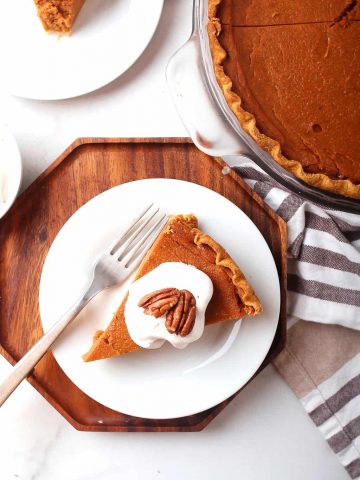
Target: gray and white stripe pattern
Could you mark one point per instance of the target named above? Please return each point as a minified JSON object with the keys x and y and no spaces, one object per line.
{"x":323,"y":252}
{"x":324,"y":287}
{"x":334,"y":406}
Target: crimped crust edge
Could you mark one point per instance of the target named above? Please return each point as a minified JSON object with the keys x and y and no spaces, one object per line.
{"x":247,"y":120}
{"x":252,"y":305}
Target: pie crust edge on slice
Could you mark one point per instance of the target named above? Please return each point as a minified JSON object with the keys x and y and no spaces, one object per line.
{"x":248,"y":121}
{"x":115,"y":340}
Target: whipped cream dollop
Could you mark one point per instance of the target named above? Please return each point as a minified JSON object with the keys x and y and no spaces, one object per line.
{"x":150,"y":332}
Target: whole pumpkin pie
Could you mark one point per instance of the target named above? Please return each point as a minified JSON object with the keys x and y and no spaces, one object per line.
{"x":182,"y":241}
{"x":290,"y":72}
{"x":58,"y":15}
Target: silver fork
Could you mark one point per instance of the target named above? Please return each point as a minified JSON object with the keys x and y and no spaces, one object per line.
{"x":112,"y":268}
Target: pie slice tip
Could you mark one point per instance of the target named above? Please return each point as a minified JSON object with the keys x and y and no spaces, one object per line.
{"x":58,"y":16}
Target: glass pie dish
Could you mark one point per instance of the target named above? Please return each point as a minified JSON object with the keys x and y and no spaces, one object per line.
{"x":212,"y":125}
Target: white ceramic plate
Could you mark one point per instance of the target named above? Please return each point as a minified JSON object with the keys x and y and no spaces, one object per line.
{"x":10,"y":170}
{"x":164,"y":383}
{"x":108,"y":36}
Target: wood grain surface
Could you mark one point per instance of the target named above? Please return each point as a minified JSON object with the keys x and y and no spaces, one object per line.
{"x":85,"y":169}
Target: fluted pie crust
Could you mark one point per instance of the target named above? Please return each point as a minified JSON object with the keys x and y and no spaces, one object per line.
{"x":248,"y":121}
{"x":182,"y":241}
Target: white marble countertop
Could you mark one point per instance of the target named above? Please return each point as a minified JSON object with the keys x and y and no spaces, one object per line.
{"x":264,"y":433}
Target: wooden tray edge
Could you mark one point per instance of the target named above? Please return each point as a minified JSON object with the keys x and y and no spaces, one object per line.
{"x":283,"y":234}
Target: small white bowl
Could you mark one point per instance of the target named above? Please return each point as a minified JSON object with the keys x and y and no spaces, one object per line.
{"x":10,"y":170}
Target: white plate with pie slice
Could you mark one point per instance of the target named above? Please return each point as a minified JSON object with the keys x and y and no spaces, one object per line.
{"x":163,"y":383}
{"x":108,"y":36}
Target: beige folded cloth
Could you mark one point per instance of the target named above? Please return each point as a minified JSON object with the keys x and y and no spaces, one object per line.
{"x":321,"y":363}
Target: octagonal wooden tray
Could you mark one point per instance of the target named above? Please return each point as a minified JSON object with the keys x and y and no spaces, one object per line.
{"x":85,"y":169}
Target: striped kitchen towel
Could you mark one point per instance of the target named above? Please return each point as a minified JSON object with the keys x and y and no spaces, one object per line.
{"x":321,"y":363}
{"x":321,"y":360}
{"x":323,"y":253}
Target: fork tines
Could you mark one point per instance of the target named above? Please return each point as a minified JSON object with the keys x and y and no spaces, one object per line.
{"x":139,"y":235}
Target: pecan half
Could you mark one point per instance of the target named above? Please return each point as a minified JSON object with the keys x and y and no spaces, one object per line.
{"x":181,"y":318}
{"x":159,"y":302}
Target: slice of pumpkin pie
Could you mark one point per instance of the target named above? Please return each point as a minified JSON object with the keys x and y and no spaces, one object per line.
{"x":58,"y":15}
{"x":182,"y":245}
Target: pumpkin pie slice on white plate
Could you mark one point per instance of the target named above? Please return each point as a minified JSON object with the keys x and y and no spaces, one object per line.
{"x":181,"y":244}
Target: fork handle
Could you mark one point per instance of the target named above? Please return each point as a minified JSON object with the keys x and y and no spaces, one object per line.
{"x":34,"y":355}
